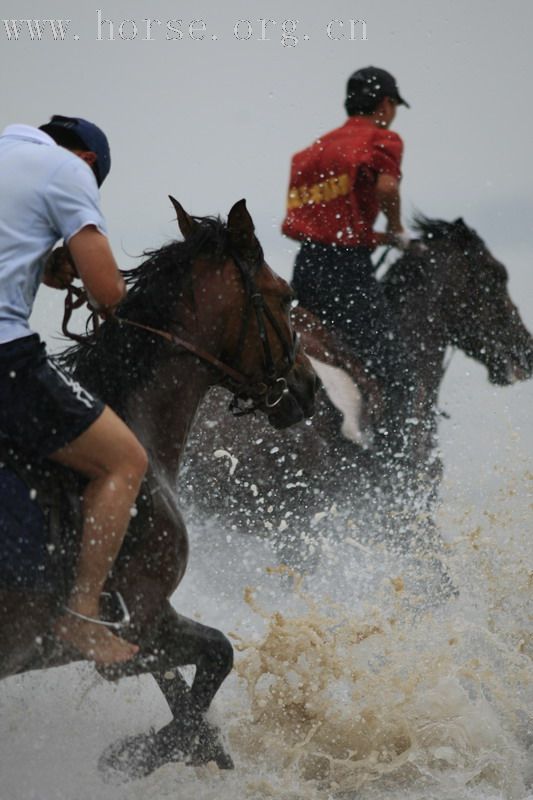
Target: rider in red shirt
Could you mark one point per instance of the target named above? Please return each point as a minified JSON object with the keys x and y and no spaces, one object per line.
{"x":338,"y":186}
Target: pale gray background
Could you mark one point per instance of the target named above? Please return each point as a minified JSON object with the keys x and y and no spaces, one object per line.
{"x":213,"y":121}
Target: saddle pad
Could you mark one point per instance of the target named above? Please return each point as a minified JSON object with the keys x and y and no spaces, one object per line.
{"x":24,"y":557}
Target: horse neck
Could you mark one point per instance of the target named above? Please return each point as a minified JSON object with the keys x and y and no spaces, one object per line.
{"x":161,"y":415}
{"x":419,"y":312}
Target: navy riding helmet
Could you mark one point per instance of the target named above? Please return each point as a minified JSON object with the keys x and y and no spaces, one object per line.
{"x":89,"y":136}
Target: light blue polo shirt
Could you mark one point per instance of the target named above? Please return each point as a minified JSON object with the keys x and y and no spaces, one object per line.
{"x":46,"y":194}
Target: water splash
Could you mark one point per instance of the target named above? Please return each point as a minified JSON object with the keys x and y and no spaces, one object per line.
{"x":353,"y":682}
{"x":351,"y":698}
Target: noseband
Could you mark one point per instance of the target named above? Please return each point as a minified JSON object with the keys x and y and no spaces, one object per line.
{"x":248,"y":395}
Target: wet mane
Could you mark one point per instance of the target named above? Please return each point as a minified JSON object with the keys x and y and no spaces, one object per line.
{"x":431,"y":230}
{"x":413,"y":270}
{"x":121,"y":358}
{"x":154,"y":285}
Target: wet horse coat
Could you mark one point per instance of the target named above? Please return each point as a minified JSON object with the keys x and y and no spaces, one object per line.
{"x":451,"y":292}
{"x":195,"y":290}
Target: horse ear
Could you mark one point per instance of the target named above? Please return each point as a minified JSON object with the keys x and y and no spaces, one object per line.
{"x":186,"y":223}
{"x":459,"y":222}
{"x":241,"y":227}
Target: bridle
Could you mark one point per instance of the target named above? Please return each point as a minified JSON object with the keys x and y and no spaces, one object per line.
{"x":248,"y":395}
{"x":274,"y":386}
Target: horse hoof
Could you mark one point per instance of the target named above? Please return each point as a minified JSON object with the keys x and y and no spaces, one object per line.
{"x":198,"y":744}
{"x":209,"y":749}
{"x":138,"y":756}
{"x":131,"y":758}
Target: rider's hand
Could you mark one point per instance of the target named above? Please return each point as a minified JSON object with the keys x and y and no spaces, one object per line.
{"x":401,"y":240}
{"x":404,"y":243}
{"x":59,"y":269}
{"x":103,"y":312}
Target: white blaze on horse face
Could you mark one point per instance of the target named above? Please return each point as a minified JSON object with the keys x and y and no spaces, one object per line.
{"x":347,"y":398}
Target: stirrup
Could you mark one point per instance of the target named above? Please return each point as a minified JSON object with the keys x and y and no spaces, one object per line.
{"x":116,"y":626}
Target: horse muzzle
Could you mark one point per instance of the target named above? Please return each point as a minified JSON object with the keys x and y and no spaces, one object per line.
{"x":297,"y":398}
{"x":512,"y":367}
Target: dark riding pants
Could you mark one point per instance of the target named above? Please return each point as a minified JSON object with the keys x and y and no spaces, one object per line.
{"x":339,"y":286}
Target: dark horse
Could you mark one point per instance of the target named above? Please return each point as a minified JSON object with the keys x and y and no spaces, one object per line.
{"x":200,"y":312}
{"x":447,"y":291}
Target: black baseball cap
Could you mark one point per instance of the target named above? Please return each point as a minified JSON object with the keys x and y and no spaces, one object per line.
{"x":90,"y":137}
{"x":367,"y":87}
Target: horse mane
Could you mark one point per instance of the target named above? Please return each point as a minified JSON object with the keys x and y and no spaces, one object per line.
{"x":152,"y":286}
{"x":121,"y":357}
{"x":436,"y":229}
{"x":413,"y":269}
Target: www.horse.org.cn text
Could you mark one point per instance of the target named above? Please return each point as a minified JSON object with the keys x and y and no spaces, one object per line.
{"x":287,"y":32}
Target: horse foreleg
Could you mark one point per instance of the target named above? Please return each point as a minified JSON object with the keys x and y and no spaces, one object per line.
{"x":185,"y":641}
{"x":189,"y":737}
{"x":209,"y":650}
{"x":178,"y":641}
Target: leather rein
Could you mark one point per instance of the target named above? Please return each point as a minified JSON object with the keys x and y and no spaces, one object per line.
{"x":269,"y":391}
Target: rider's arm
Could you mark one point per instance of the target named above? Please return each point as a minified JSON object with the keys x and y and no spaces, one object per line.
{"x":386,"y":158}
{"x":97,"y":268}
{"x":388,"y":197}
{"x":73,"y":205}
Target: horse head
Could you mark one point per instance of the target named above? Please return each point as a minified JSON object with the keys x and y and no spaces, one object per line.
{"x":242,"y":318}
{"x":470,"y":286}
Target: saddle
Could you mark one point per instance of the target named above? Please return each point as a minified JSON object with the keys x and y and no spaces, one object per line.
{"x":40,"y":523}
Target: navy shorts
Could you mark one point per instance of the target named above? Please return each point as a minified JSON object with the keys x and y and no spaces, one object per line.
{"x":41,"y":408}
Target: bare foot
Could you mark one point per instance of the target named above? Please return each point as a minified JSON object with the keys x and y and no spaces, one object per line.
{"x":94,"y":642}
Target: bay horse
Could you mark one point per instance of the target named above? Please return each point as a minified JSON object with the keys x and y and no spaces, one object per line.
{"x":207,"y":310}
{"x":447,"y":292}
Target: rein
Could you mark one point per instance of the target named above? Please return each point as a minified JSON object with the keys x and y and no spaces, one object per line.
{"x":238,"y":377}
{"x":77,"y":297}
{"x":382,"y":257}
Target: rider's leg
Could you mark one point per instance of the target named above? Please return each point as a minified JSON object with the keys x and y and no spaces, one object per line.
{"x":393,"y":364}
{"x":339,"y":285}
{"x":111,"y":457}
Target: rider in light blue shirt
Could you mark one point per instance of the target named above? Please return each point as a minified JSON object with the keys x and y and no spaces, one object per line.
{"x":53,"y":195}
{"x":49,"y":179}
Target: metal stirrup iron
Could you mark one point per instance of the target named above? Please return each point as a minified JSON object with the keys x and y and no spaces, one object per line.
{"x":116,"y":626}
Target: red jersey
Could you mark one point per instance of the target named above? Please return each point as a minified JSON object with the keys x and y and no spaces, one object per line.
{"x":332,"y":198}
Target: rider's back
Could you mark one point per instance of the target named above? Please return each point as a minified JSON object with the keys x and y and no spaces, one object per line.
{"x":331,"y":194}
{"x":48,"y":194}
